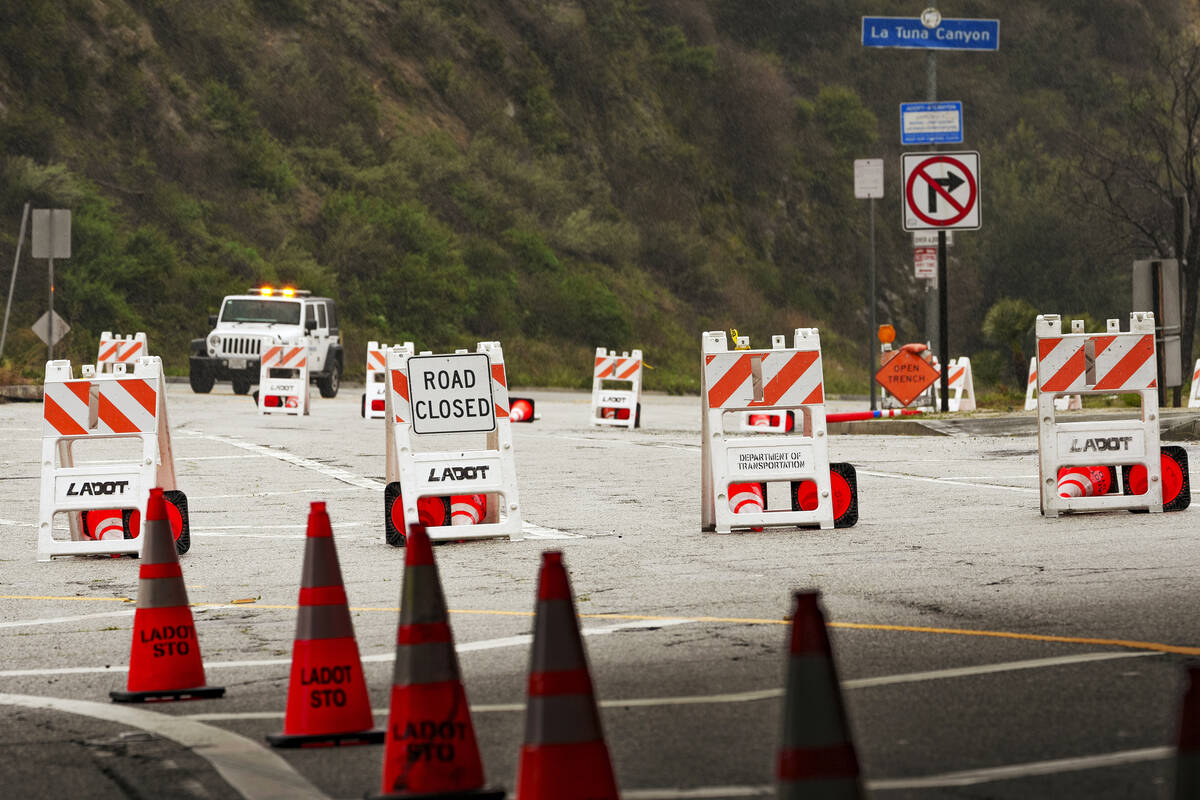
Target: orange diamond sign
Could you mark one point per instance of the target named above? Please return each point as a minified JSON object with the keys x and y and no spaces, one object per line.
{"x":906,"y":375}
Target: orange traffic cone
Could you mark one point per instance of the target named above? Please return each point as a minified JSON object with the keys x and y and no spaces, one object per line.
{"x":520,"y":409}
{"x":1187,"y":765}
{"x":164,"y":663}
{"x":430,"y":749}
{"x":817,"y":756}
{"x":327,"y":700}
{"x":564,"y":756}
{"x":1084,"y":481}
{"x":468,"y":509}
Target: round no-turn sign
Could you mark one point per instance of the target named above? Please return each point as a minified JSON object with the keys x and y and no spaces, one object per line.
{"x":941,"y":191}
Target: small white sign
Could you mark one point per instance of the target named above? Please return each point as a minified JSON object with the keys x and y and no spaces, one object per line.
{"x":930,"y":238}
{"x":1098,"y":444}
{"x":868,"y":178}
{"x":452,"y":394}
{"x":51,"y":234}
{"x":941,"y":191}
{"x":925,"y":261}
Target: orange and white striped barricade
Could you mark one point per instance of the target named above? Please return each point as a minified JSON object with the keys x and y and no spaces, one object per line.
{"x":283,"y":379}
{"x":93,"y":409}
{"x":1093,"y":364}
{"x":374,"y":400}
{"x":116,"y":349}
{"x":768,"y":381}
{"x":1065,"y":403}
{"x":961,"y":384}
{"x":621,"y":405}
{"x":1194,"y":393}
{"x":448,"y":433}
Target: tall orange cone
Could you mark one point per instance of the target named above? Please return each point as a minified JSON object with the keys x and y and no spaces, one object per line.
{"x":817,"y":757}
{"x":164,"y":663}
{"x":327,"y":700}
{"x":564,"y":756}
{"x":430,"y":749}
{"x":1187,"y":765}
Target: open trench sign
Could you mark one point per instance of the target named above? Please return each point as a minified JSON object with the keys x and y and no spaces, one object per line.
{"x":906,"y":375}
{"x":941,"y":191}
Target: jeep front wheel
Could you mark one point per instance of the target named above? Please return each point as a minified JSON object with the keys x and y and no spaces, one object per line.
{"x":330,"y":383}
{"x":241,"y":385}
{"x":201,"y":380}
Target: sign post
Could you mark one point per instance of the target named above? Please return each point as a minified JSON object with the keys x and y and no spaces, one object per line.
{"x":51,"y":239}
{"x":941,"y":191}
{"x":868,"y":185}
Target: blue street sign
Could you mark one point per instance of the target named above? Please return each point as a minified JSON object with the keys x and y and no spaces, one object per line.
{"x":931,"y":123}
{"x":950,"y":34}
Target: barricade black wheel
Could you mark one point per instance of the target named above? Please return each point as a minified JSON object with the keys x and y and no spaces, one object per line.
{"x":843,"y":480}
{"x":393,"y":516}
{"x":1177,"y":490}
{"x":177,"y":515}
{"x":363,"y":411}
{"x":637,"y":423}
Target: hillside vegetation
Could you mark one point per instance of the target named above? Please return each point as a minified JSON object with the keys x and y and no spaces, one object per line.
{"x":555,"y":175}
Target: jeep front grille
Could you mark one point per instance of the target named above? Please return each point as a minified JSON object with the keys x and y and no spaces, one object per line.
{"x":241,"y":346}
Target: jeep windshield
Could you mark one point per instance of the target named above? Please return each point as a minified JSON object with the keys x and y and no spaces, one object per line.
{"x":254,"y":310}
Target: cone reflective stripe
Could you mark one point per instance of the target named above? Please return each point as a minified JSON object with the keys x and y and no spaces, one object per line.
{"x":327,"y":700}
{"x":430,"y":748}
{"x":564,"y":756}
{"x":467,"y":509}
{"x":746,"y":498}
{"x":816,"y":758}
{"x":164,"y":662}
{"x":1187,"y":765}
{"x":1083,"y":481}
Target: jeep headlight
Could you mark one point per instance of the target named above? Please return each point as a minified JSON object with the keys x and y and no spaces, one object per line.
{"x":213,"y":341}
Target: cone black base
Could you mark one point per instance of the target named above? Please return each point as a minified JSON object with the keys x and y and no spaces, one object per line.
{"x":474,"y":794}
{"x":199,"y":693}
{"x":372,"y":736}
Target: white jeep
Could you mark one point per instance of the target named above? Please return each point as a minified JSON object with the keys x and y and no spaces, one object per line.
{"x":249,"y":323}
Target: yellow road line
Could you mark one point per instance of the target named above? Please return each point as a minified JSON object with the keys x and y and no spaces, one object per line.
{"x":1132,"y":644}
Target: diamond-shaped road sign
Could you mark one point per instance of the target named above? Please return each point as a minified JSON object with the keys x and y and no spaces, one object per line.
{"x":41,"y":328}
{"x":906,"y":375}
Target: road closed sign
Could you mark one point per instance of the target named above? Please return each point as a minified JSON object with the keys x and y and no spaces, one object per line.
{"x":451,"y":394}
{"x":941,"y":191}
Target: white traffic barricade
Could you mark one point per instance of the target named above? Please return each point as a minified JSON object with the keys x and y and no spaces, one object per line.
{"x":1194,"y":393}
{"x":105,"y":500}
{"x":435,"y":405}
{"x":116,"y":349}
{"x":374,"y":401}
{"x":1080,"y":363}
{"x":772,"y":381}
{"x":283,"y":379}
{"x":618,"y":405}
{"x":961,"y":384}
{"x":1071,"y":402}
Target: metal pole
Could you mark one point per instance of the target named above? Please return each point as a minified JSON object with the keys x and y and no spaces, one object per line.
{"x":13,"y":282}
{"x":50,"y":316}
{"x":943,"y":328}
{"x":873,"y":326}
{"x":932,"y":287}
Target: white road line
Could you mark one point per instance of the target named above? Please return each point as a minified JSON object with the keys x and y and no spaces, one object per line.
{"x":337,"y":473}
{"x":469,"y":647}
{"x":732,"y":697}
{"x":972,"y":777}
{"x":986,"y":669}
{"x":530,"y":530}
{"x":270,"y":494}
{"x":252,"y":770}
{"x":215,"y":458}
{"x":947,"y":481}
{"x":57,"y":620}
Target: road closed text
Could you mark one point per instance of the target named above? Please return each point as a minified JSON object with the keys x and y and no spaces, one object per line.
{"x":451,"y":394}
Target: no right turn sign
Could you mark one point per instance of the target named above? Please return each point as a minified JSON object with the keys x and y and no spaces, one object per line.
{"x":941,"y":191}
